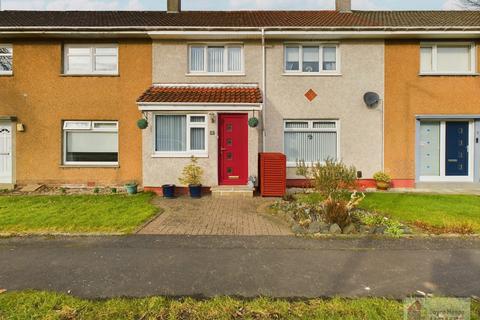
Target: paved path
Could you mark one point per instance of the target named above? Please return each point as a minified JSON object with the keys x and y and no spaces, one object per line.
{"x":244,"y":266}
{"x":215,"y":216}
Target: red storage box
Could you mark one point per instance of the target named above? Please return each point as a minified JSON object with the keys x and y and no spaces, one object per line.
{"x":273,"y":174}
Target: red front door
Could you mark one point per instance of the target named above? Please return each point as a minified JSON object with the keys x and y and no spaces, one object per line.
{"x":233,"y":149}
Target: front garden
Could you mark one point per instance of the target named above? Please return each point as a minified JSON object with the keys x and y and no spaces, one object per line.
{"x":95,"y":213}
{"x":334,"y":207}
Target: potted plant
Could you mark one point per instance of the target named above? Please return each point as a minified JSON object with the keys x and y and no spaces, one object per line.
{"x":132,"y":187}
{"x":192,"y":177}
{"x":168,"y":191}
{"x":382,"y":180}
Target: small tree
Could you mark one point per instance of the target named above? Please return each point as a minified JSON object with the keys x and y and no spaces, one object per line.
{"x":192,"y":174}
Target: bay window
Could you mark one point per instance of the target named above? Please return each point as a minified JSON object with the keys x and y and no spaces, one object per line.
{"x":6,"y":59}
{"x":447,"y":58}
{"x":84,"y":59}
{"x":311,"y":141}
{"x":311,"y":59}
{"x":181,"y":135}
{"x":90,"y":142}
{"x":215,"y":59}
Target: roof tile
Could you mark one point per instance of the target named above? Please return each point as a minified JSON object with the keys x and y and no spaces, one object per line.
{"x":202,"y":94}
{"x":159,"y":19}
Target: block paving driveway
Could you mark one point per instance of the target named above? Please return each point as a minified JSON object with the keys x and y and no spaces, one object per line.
{"x":215,"y":216}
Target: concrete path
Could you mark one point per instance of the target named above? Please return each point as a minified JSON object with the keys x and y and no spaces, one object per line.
{"x":242,"y":266}
{"x":216,"y":216}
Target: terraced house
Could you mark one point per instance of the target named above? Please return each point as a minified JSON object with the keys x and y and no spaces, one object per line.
{"x":393,"y":91}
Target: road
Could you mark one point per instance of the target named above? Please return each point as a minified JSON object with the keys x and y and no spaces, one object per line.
{"x":138,"y":266}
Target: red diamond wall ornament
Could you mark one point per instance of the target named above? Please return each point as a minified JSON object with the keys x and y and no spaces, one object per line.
{"x":311,"y":95}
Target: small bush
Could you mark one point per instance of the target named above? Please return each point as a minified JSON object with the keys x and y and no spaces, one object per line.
{"x":96,"y":190}
{"x":382,"y":177}
{"x":334,"y":179}
{"x":63,"y":190}
{"x":192,"y":173}
{"x":339,"y":211}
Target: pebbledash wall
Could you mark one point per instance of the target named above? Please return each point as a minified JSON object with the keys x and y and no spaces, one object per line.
{"x":41,"y":98}
{"x":170,"y":65}
{"x":409,"y":94}
{"x":339,"y":98}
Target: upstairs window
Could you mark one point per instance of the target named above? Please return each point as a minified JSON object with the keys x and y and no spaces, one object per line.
{"x":99,"y":59}
{"x":311,"y":59}
{"x":212,"y":59}
{"x":456,"y":58}
{"x":90,"y":142}
{"x":6,"y":59}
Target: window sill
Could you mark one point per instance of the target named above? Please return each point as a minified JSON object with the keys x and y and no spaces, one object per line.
{"x":440,"y":74}
{"x":116,"y":75}
{"x":215,"y":74}
{"x":6,"y":74}
{"x":179,"y":155}
{"x":99,"y":166}
{"x":311,"y":74}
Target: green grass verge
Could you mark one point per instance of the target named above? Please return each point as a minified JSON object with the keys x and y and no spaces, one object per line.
{"x":74,"y":214}
{"x":44,"y":305}
{"x":436,"y":210}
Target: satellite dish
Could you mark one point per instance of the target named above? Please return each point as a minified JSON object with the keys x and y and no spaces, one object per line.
{"x":371,"y":99}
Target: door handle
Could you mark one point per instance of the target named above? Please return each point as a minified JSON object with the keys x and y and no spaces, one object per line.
{"x":223,"y":149}
{"x":452,"y":160}
{"x":4,"y":154}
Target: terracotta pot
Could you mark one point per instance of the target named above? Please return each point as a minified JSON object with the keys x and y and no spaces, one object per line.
{"x":381,"y":185}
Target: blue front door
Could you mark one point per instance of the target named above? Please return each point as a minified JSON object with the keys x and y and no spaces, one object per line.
{"x":456,"y":162}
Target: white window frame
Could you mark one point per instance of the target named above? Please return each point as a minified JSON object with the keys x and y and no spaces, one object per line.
{"x":205,"y":71}
{"x":320,"y":46}
{"x":189,"y":152}
{"x":8,"y":46}
{"x":83,"y":126}
{"x":311,"y":129}
{"x":92,"y":56}
{"x":434,"y":46}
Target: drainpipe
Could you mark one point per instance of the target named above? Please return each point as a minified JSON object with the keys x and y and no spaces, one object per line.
{"x":264,"y":87}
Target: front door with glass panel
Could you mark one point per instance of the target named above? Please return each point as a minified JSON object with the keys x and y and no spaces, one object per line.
{"x":233,"y":149}
{"x":446,"y":151}
{"x":6,"y":173}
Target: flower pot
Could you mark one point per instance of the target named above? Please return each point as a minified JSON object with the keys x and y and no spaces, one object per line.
{"x":168,"y":191}
{"x":381,"y":185}
{"x":195,"y":190}
{"x":131,"y":188}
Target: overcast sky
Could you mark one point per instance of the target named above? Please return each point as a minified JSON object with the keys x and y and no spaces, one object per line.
{"x":225,"y":4}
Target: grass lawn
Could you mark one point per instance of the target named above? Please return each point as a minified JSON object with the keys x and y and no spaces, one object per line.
{"x":444,"y":211}
{"x":43,"y":305}
{"x":72,"y":214}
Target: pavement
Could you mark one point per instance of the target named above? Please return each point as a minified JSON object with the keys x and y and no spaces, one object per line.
{"x":206,"y":266}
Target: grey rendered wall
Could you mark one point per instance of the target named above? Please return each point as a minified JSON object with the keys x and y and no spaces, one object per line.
{"x":339,"y":97}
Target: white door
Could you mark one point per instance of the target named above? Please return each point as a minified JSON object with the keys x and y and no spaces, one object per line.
{"x":6,"y":152}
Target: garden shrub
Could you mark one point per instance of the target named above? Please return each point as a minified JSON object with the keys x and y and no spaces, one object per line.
{"x":334,"y":179}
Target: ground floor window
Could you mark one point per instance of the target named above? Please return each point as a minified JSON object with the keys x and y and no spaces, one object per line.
{"x":90,"y":142}
{"x":310,"y":141}
{"x":445,"y":150}
{"x":180,"y":135}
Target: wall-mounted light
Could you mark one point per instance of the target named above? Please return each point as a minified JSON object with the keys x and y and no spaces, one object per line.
{"x":20,"y":127}
{"x":213,"y":117}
